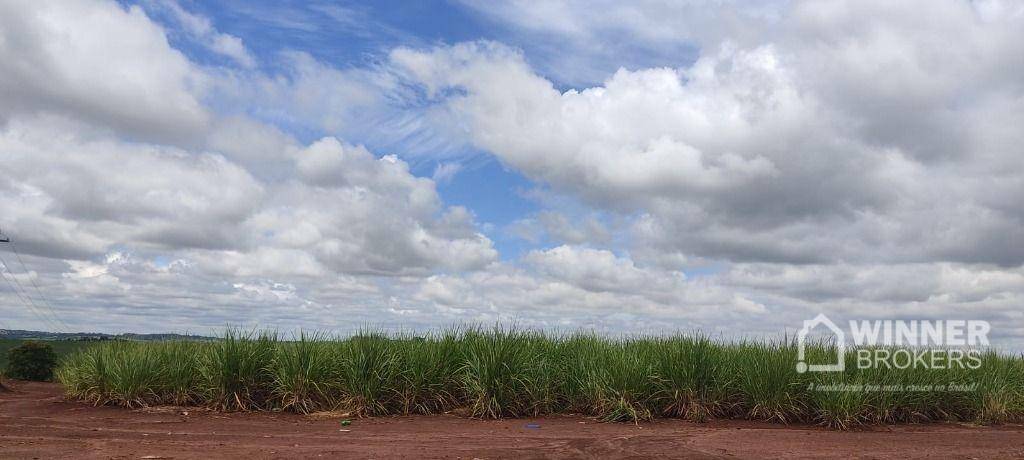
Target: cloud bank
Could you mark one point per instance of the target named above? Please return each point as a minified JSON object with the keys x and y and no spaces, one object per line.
{"x":861,"y":159}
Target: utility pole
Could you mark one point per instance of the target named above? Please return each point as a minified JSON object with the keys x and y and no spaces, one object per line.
{"x":4,"y":239}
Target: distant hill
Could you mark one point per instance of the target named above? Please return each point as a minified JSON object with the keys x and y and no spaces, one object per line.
{"x":42,"y":335}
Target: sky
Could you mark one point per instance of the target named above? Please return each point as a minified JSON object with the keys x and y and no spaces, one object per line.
{"x":622,"y":167}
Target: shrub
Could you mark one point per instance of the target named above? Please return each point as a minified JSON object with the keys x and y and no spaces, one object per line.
{"x":31,"y":361}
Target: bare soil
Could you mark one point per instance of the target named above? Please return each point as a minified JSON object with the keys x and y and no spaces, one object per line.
{"x":36,"y":422}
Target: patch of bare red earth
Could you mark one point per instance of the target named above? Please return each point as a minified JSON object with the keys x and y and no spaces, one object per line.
{"x":36,"y":422}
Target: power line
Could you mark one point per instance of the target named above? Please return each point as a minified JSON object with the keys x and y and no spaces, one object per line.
{"x":18,"y":292}
{"x":52,"y":310}
{"x":22,"y":295}
{"x":53,"y":320}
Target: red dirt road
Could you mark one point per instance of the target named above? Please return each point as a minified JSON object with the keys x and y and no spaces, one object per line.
{"x":35,"y":422}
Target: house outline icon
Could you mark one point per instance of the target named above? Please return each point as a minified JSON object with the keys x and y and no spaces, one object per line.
{"x":809,"y":325}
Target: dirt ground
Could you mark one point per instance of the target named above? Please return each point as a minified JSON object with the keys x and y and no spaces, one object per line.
{"x":35,"y":422}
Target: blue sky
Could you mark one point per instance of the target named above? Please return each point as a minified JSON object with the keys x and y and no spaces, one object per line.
{"x":359,"y":35}
{"x":347,"y":34}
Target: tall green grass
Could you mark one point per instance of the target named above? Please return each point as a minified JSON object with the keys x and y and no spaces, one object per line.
{"x":499,"y":372}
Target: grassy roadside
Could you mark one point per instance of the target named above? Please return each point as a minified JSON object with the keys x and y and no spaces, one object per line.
{"x":502,"y":373}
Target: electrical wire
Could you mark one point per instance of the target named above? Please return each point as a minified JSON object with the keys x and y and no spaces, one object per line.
{"x":49,"y":306}
{"x":23,"y":295}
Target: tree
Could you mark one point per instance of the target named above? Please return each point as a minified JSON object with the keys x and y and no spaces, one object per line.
{"x":31,"y":360}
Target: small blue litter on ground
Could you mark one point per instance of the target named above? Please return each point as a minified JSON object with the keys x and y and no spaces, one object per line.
{"x":533,"y":426}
